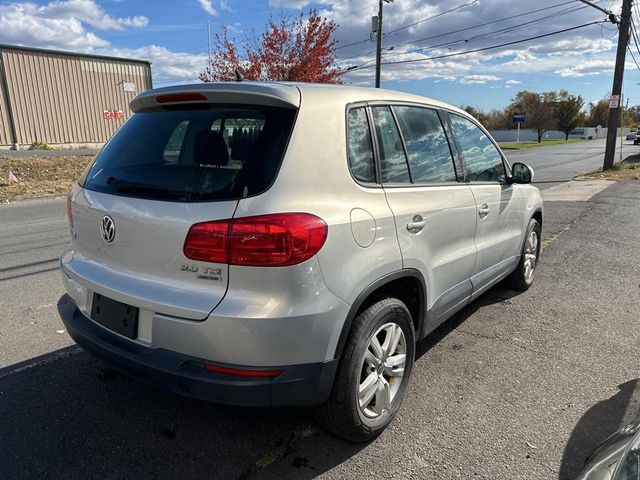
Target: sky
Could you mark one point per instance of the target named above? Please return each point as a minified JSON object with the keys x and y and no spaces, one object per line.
{"x":173,"y":36}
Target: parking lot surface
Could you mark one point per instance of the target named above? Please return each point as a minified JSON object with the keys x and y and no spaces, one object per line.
{"x":515,"y":386}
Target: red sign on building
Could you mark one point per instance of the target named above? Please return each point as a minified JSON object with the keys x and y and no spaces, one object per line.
{"x":113,"y":114}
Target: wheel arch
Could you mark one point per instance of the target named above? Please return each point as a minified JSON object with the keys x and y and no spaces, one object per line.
{"x":537,"y":214}
{"x":408,"y":285}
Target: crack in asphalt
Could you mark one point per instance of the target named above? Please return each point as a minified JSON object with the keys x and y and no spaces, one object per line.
{"x":545,"y":243}
{"x":53,"y":357}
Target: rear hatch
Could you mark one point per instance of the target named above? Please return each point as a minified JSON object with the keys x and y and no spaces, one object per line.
{"x":168,"y":168}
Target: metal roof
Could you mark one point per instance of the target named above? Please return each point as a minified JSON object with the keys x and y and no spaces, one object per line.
{"x":72,"y":54}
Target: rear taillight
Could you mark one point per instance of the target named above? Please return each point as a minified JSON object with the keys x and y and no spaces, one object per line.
{"x":70,"y":211}
{"x":208,"y":242}
{"x":267,"y":240}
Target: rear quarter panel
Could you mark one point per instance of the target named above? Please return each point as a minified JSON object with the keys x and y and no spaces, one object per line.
{"x":315,"y":178}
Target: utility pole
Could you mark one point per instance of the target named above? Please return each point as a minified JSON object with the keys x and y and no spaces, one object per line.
{"x":626,"y":107}
{"x":379,"y":41}
{"x":615,"y":103}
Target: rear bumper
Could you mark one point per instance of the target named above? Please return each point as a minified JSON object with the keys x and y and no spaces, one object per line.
{"x":299,"y":385}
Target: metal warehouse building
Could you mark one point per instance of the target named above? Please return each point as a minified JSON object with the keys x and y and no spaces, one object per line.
{"x":63,"y":98}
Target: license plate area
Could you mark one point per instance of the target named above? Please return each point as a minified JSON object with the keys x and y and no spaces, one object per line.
{"x":116,"y":316}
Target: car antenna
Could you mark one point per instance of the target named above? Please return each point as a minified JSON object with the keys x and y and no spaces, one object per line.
{"x":239,"y":76}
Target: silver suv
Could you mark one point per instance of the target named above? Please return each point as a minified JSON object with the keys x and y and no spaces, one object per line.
{"x":288,"y":244}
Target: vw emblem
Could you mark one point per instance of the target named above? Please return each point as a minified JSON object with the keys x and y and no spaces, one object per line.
{"x":108,"y":229}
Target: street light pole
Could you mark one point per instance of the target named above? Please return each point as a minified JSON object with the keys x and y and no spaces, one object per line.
{"x":379,"y":41}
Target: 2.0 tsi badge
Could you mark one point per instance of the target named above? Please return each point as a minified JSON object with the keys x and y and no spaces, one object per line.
{"x":107,"y":229}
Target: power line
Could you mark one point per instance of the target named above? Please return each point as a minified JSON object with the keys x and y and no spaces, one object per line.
{"x":407,"y":26}
{"x":483,"y":24}
{"x":494,"y":33}
{"x":609,"y":13}
{"x":633,"y":57}
{"x":354,"y":43}
{"x":432,"y":17}
{"x":472,"y":27}
{"x":506,"y":44}
{"x":634,"y":36}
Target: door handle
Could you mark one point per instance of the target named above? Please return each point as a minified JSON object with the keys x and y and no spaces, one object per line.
{"x":483,"y":211}
{"x":416,"y":224}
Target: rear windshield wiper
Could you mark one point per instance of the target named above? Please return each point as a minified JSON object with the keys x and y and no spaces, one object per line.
{"x":122,"y":186}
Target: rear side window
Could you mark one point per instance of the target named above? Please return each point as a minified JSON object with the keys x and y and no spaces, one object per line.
{"x":430,"y":157}
{"x":482,"y":159}
{"x":360,"y":147}
{"x":215,"y":153}
{"x":393,"y":162}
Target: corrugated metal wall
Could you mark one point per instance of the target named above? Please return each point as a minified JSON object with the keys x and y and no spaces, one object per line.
{"x":58,"y":98}
{"x":5,"y":130}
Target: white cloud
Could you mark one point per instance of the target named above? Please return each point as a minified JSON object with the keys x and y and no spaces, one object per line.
{"x":479,"y":79}
{"x":207,"y":6}
{"x":85,"y":11}
{"x":513,"y":82}
{"x":296,"y":3}
{"x":167,"y":66}
{"x":592,"y":67}
{"x":224,"y":6}
{"x":450,"y":33}
{"x":60,"y":24}
{"x":64,"y":25}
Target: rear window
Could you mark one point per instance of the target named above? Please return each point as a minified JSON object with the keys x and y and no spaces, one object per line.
{"x":200,"y":154}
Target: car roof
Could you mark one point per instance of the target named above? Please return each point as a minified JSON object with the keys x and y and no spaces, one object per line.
{"x":286,"y":94}
{"x":352,"y":94}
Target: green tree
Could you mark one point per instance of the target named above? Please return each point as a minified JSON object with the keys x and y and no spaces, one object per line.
{"x":566,"y":112}
{"x":538,"y":109}
{"x":599,"y":113}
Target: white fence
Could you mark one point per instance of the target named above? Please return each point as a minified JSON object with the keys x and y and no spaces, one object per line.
{"x":530,"y":135}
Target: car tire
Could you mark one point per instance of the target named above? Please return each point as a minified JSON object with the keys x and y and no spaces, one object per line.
{"x":522,"y":278}
{"x":353,"y":412}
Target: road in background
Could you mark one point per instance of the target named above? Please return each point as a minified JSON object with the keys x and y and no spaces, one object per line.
{"x":59,"y":152}
{"x":32,"y":237}
{"x":560,"y":163}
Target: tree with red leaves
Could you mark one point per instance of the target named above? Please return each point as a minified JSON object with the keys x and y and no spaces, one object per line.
{"x":298,"y":50}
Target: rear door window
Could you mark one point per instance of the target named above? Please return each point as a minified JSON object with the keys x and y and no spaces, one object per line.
{"x":360,"y":146}
{"x":430,"y":157}
{"x":198,"y":154}
{"x":393,"y":162}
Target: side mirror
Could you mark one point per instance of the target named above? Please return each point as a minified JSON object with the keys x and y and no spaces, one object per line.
{"x":521,"y":173}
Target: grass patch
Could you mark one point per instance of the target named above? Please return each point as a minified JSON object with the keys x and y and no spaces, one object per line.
{"x":39,"y":176}
{"x":38,"y":145}
{"x":627,"y":169}
{"x":544,"y":143}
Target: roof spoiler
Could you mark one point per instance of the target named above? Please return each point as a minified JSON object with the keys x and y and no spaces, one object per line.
{"x":250,"y":93}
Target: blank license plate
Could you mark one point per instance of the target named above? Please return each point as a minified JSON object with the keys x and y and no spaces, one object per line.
{"x":116,"y":316}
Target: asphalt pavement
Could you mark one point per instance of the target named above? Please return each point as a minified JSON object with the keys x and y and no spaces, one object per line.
{"x":515,"y":386}
{"x":559,"y":163}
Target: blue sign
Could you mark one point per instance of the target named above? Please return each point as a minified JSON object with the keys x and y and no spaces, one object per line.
{"x":518,"y":119}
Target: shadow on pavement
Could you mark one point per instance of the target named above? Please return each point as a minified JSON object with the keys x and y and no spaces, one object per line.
{"x":59,"y":420}
{"x":600,"y":421}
